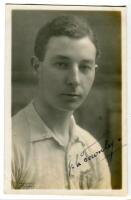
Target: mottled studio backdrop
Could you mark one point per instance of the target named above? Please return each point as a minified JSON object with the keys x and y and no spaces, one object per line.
{"x":101,"y":113}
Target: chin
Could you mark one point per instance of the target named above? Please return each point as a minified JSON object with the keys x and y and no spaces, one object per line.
{"x":69,"y":108}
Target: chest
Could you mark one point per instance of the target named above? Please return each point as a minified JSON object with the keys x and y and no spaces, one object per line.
{"x":50,"y":166}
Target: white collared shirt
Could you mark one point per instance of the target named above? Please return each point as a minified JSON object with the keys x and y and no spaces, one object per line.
{"x":41,"y":161}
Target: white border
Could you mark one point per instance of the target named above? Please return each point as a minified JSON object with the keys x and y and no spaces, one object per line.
{"x":9,"y":9}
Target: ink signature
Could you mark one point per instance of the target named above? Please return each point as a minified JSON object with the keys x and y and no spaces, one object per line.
{"x":108,"y":149}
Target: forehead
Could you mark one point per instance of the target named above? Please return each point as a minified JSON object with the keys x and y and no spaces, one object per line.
{"x":81,"y":48}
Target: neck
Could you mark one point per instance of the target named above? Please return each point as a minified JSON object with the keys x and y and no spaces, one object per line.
{"x":58,"y":121}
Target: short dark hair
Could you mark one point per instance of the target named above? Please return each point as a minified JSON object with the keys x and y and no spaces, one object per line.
{"x":72,"y":26}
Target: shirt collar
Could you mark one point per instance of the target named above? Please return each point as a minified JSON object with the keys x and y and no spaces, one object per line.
{"x":40,"y":131}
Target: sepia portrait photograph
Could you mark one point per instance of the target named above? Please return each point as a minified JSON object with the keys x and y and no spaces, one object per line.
{"x":65,"y":101}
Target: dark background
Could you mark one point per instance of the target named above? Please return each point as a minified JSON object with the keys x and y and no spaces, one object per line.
{"x":101,"y":113}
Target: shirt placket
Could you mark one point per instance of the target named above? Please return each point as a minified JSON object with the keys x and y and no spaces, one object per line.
{"x":68,"y":185}
{"x":72,"y":180}
{"x":80,"y":175}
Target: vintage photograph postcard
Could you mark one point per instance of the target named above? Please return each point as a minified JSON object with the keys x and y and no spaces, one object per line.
{"x":65,"y":100}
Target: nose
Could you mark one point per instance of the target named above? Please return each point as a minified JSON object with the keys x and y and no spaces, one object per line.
{"x":74,"y":76}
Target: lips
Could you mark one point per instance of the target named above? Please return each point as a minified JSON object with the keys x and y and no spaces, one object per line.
{"x":71,"y":96}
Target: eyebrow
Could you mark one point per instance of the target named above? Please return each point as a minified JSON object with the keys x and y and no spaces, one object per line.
{"x":62,"y":57}
{"x":88,"y":61}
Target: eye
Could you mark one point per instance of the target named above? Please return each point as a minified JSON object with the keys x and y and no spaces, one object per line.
{"x":85,"y":67}
{"x":61,"y":65}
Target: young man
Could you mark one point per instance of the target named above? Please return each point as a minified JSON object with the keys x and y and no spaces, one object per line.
{"x":50,"y":151}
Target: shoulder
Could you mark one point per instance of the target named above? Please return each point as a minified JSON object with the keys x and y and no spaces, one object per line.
{"x":87,"y":138}
{"x":19,"y":118}
{"x":20,"y":135}
{"x":20,"y":147}
{"x":91,"y":144}
{"x":97,"y":155}
{"x":93,"y":153}
{"x":20,"y":125}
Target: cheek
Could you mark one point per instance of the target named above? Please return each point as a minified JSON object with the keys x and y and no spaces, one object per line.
{"x":50,"y":79}
{"x":88,"y":81}
{"x":92,"y":76}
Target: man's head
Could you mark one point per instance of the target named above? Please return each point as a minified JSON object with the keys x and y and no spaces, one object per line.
{"x":66,"y":25}
{"x":66,"y":52}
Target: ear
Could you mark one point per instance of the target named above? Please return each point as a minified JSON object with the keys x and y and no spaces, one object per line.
{"x":96,"y":66}
{"x":35,"y":63}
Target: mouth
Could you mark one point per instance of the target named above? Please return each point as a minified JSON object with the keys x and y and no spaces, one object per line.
{"x":71,"y":95}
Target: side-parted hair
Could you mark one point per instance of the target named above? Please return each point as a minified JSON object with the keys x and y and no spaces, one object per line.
{"x":64,"y":25}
